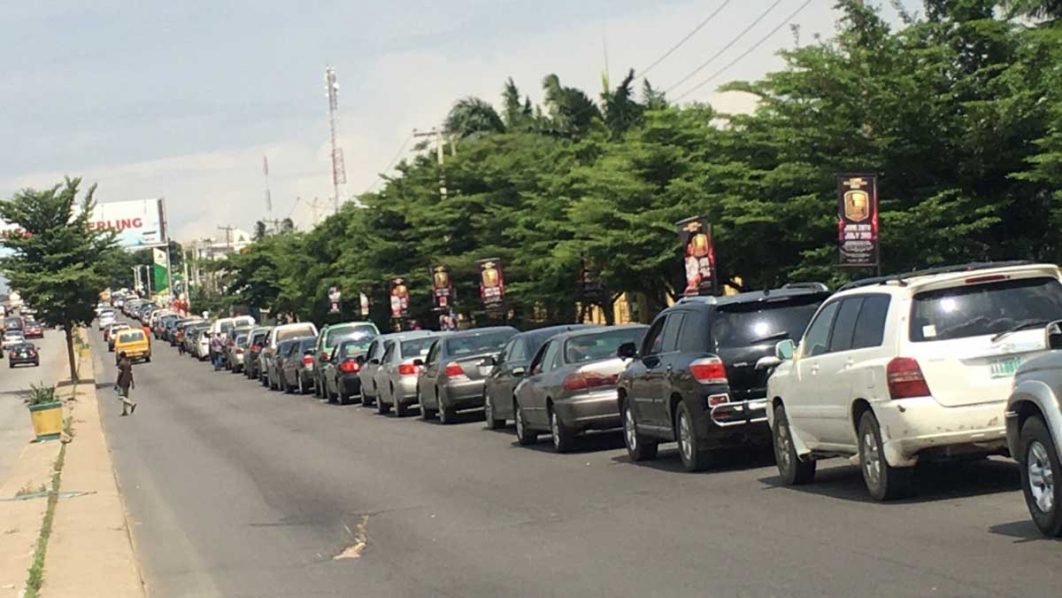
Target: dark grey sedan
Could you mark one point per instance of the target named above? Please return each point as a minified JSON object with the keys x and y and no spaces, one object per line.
{"x":571,"y":385}
{"x":509,"y":368}
{"x":455,"y":368}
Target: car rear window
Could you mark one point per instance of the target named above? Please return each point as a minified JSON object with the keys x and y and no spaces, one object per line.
{"x":241,"y":340}
{"x":131,"y":337}
{"x":307,"y":344}
{"x":755,"y":323}
{"x":480,"y":343}
{"x":417,"y":347}
{"x":294,"y":332}
{"x":982,"y":309}
{"x":350,"y":349}
{"x":338,"y":334}
{"x":600,"y":345}
{"x":12,"y":322}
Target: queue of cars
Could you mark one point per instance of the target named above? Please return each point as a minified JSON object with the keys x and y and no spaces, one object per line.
{"x":955,"y":362}
{"x":14,"y":342}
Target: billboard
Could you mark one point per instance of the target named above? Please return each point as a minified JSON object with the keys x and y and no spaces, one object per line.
{"x":491,"y":282}
{"x":442,"y":287}
{"x":399,"y":298}
{"x":139,"y":223}
{"x":857,"y":220}
{"x":160,"y":274}
{"x":698,"y":253}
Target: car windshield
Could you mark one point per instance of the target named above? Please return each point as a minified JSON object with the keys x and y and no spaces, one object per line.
{"x":982,"y":309}
{"x":754,"y":323}
{"x":24,"y":347}
{"x":417,"y":347}
{"x":479,"y":343}
{"x":259,"y":338}
{"x":602,"y":345}
{"x":337,"y":335}
{"x":295,"y":332}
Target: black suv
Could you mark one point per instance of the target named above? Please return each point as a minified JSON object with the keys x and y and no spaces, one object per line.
{"x":694,"y":379}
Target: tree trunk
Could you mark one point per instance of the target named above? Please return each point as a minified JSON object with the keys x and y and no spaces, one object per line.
{"x":68,"y":329}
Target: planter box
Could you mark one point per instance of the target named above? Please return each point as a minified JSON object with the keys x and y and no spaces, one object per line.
{"x":47,"y":420}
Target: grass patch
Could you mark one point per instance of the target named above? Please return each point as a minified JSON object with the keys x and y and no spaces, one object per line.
{"x":36,"y":570}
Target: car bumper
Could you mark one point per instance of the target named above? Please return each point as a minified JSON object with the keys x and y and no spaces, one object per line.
{"x":597,"y":410}
{"x":23,"y":360}
{"x":406,"y":390}
{"x":350,"y":384}
{"x":134,"y":355}
{"x":913,"y":426}
{"x":464,"y":393}
{"x":731,"y":423}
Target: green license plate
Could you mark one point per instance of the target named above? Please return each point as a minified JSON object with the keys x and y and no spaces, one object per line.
{"x":1003,"y":368}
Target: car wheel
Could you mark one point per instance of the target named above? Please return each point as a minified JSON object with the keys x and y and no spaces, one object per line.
{"x":791,"y":468}
{"x":425,"y":413}
{"x":302,"y":388}
{"x":694,"y":456}
{"x":382,"y":408}
{"x":524,"y":436}
{"x":1040,"y":463}
{"x":884,"y":482}
{"x":563,"y":437}
{"x":639,"y":448}
{"x":488,"y":413}
{"x":263,"y":381}
{"x":317,"y":388}
{"x":446,"y":412}
{"x":401,"y":410}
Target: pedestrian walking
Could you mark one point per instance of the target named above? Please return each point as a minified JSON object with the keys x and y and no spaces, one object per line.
{"x":125,"y":382}
{"x":180,"y":341}
{"x":216,"y":347}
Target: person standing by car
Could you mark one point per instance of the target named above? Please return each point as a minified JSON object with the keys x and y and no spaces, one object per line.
{"x":180,"y":341}
{"x":125,"y":382}
{"x":216,"y":348}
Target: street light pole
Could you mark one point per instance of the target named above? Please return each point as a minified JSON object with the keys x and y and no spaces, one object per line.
{"x":339,"y":172}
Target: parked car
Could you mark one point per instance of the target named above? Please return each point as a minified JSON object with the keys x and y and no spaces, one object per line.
{"x":201,"y":349}
{"x":106,"y":318}
{"x":510,"y":367}
{"x":236,"y":353}
{"x":367,"y":375}
{"x":23,"y":354}
{"x":910,"y":367}
{"x":257,"y":338}
{"x":694,"y":379}
{"x":341,"y":380}
{"x":275,"y":374}
{"x":14,"y":323}
{"x":266,"y":357}
{"x":570,"y":386}
{"x":329,"y":338}
{"x":396,"y":376}
{"x":110,"y":334}
{"x":296,"y":371}
{"x":11,"y":338}
{"x":1034,"y":432}
{"x":455,"y":368}
{"x":33,"y":329}
{"x":192,"y":335}
{"x":230,"y":339}
{"x":134,"y":343}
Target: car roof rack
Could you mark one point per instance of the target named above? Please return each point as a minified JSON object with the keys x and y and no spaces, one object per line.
{"x":902,"y":277}
{"x":811,"y":286}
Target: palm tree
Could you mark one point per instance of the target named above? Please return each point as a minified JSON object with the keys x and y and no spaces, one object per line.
{"x":570,"y":111}
{"x":472,"y":117}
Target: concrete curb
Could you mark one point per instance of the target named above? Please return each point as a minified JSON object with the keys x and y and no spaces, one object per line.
{"x":91,"y":551}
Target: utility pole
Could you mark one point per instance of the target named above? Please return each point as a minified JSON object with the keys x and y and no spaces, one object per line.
{"x":268,"y":194}
{"x":314,"y":206}
{"x":228,"y":235}
{"x":440,"y":143}
{"x":339,"y":172}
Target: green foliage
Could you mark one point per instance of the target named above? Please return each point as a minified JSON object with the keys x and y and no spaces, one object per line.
{"x":39,"y":394}
{"x":959,"y":113}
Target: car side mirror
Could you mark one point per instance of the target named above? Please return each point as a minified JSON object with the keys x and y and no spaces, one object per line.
{"x":1054,"y":335}
{"x":488,"y":362}
{"x":769,"y":362}
{"x":519,"y":372}
{"x":418,"y":362}
{"x":360,"y":360}
{"x":627,"y":351}
{"x":783,"y":350}
{"x":374,"y":361}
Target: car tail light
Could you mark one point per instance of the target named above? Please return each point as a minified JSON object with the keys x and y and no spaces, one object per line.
{"x":986,"y":278}
{"x":905,"y":379}
{"x":307,"y":360}
{"x":714,"y":400}
{"x":587,"y":380}
{"x":408,"y":369}
{"x":709,"y":370}
{"x":349,"y":366}
{"x":453,"y":370}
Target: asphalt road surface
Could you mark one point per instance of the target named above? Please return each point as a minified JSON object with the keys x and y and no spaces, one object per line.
{"x":234,"y":490}
{"x":15,"y":427}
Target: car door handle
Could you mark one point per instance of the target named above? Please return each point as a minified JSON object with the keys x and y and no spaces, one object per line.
{"x":848,"y":364}
{"x":815,"y":369}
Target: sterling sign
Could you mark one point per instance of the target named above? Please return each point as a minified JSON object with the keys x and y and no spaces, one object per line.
{"x":139,"y":223}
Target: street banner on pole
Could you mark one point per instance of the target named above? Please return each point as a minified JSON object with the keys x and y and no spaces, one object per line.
{"x":399,"y":298}
{"x":334,"y":297}
{"x":364,"y":301}
{"x":857,"y":223}
{"x":491,"y":282}
{"x":698,"y":253}
{"x":442,"y":287}
{"x":160,"y":275}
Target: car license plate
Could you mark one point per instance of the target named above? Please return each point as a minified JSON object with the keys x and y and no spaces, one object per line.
{"x":1004,"y":367}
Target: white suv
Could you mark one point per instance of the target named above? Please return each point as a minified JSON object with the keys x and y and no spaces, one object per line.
{"x":898,"y":368}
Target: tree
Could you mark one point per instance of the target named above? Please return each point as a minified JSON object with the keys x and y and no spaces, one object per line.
{"x":472,"y":117}
{"x":58,"y":263}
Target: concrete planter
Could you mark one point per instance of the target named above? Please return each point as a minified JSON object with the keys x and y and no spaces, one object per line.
{"x":47,"y":420}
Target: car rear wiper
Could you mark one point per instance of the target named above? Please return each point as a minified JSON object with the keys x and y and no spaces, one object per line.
{"x":777,"y":336}
{"x":1019,"y":326}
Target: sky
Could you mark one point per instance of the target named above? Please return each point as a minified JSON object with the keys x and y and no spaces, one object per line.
{"x":183,"y":99}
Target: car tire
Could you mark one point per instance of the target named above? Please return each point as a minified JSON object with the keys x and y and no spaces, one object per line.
{"x":639,"y":448}
{"x":447,"y":413}
{"x":791,"y":468}
{"x":524,"y":435}
{"x":288,"y":388}
{"x":302,"y":387}
{"x":1039,"y":464}
{"x":488,"y":414}
{"x":883,"y":481}
{"x":562,"y":436}
{"x":263,"y":381}
{"x":317,"y":388}
{"x":694,"y":456}
{"x":382,"y":408}
{"x":147,"y":359}
{"x":425,"y":413}
{"x":401,"y":409}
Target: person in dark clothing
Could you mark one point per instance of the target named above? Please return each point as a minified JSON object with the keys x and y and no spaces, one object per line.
{"x":125,"y":382}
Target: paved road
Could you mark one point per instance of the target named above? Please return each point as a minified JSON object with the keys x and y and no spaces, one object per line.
{"x":15,"y":427}
{"x":238,"y":491}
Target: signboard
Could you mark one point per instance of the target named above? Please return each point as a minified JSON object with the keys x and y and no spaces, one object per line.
{"x":698,"y":253}
{"x":160,"y":274}
{"x":334,"y":296}
{"x":442,"y":286}
{"x":399,"y":298}
{"x":364,"y":301}
{"x":857,"y":223}
{"x":140,"y":223}
{"x":491,"y":282}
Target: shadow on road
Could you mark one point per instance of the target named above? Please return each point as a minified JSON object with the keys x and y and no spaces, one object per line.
{"x":586,"y":443}
{"x":1022,"y":531}
{"x":933,"y":482}
{"x":726,"y":460}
